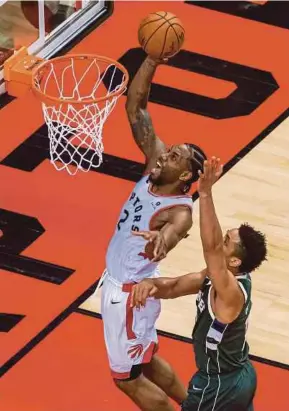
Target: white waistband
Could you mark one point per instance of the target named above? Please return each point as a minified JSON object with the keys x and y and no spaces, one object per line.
{"x":113,"y":280}
{"x":106,"y":274}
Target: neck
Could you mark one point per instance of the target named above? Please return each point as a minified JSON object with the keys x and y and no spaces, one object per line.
{"x":167,"y":189}
{"x":235,"y":271}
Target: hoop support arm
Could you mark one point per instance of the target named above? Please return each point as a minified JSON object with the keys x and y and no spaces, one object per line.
{"x":18,"y":72}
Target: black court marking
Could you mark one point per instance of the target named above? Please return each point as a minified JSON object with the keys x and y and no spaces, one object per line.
{"x":9,"y":321}
{"x":50,"y":327}
{"x":253,"y":86}
{"x":34,"y":150}
{"x":19,"y":231}
{"x":189,"y":341}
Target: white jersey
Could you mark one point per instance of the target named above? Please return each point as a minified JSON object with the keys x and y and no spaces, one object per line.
{"x":126,"y":260}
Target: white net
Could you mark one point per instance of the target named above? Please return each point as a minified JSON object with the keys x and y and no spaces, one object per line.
{"x":78,"y":93}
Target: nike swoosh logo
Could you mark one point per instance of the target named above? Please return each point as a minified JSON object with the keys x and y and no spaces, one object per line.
{"x":115,"y":302}
{"x":197,"y":389}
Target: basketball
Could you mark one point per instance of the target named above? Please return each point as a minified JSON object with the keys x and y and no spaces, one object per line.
{"x":161,"y":34}
{"x":30,"y":11}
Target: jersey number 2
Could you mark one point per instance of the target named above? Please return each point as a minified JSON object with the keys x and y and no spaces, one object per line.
{"x":123,"y":219}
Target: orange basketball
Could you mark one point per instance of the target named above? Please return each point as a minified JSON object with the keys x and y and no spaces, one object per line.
{"x":161,"y":34}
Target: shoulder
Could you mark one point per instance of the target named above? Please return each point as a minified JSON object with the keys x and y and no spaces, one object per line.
{"x":143,"y":181}
{"x":181,"y":214}
{"x":245,"y":284}
{"x":184,"y":208}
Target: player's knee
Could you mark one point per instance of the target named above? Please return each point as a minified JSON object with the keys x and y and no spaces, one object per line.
{"x":161,"y":401}
{"x":138,"y":390}
{"x":128,"y":386}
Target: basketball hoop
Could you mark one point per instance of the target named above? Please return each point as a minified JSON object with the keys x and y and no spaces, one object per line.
{"x":77,"y":93}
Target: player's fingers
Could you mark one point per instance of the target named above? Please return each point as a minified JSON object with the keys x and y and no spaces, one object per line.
{"x":221,"y":167}
{"x":137,"y":296}
{"x":138,"y":233}
{"x":160,"y":257}
{"x":157,"y":247}
{"x":218,"y":169}
{"x":212,"y":164}
{"x":144,"y":234}
{"x":216,"y":164}
{"x":206,"y":168}
{"x":153,"y":291}
{"x":132,"y":296}
{"x":144,"y":296}
{"x":158,"y":251}
{"x":140,"y":288}
{"x":161,"y":60}
{"x":151,"y":238}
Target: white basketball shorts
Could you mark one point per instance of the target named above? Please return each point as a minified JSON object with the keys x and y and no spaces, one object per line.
{"x":130,"y":334}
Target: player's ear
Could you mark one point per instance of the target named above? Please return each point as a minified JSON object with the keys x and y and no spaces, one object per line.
{"x":186,"y":176}
{"x":235,"y":262}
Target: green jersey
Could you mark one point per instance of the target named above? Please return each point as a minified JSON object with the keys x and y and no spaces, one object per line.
{"x":221,"y":348}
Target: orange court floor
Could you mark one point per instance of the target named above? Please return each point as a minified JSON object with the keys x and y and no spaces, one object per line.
{"x":226,"y":91}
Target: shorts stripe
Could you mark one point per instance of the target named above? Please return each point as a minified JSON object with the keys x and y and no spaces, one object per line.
{"x":129,"y":320}
{"x":120,"y":375}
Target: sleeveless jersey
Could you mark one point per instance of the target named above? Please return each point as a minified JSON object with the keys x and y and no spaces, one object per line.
{"x":125,"y":259}
{"x":221,"y":348}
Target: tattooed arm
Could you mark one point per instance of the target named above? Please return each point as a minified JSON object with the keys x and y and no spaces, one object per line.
{"x":139,"y":118}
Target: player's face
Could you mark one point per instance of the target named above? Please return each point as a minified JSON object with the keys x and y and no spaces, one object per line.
{"x":231,"y":244}
{"x":172,"y":166}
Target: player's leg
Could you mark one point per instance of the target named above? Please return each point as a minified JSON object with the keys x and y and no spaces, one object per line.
{"x":162,"y":374}
{"x":129,"y":344}
{"x":145,"y":394}
{"x":246,"y":388}
{"x":239,"y":390}
{"x":201,"y":393}
{"x":251,"y":407}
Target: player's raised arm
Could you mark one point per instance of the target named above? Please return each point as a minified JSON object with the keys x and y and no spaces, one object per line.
{"x":229,"y":297}
{"x":139,"y":118}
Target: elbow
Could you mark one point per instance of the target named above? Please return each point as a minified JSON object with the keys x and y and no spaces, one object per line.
{"x":131,"y":112}
{"x":133,"y":109}
{"x":129,"y":106}
{"x":136,"y":100}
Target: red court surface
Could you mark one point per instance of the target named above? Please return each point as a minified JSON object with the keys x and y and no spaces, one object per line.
{"x":54,"y":359}
{"x":69,"y":372}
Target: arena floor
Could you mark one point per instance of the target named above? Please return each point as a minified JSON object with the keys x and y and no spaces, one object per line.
{"x":232,"y":100}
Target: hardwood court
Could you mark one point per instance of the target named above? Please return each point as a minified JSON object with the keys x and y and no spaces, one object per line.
{"x":231,"y":98}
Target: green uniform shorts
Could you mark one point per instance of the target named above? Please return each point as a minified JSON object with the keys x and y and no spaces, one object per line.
{"x":226,"y":392}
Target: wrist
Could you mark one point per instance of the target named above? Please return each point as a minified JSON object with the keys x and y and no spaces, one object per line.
{"x":151,"y":61}
{"x":205,"y":194}
{"x":149,"y":281}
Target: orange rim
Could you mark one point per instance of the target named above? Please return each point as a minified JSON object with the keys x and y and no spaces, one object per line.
{"x":43,"y":96}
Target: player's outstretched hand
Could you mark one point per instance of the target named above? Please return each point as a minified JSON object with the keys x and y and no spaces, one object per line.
{"x":155,"y":238}
{"x":212,"y":172}
{"x":141,"y":291}
{"x":157,"y":61}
